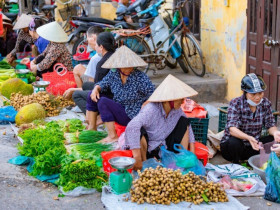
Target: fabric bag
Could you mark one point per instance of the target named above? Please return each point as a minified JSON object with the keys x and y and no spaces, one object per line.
{"x":60,"y":80}
{"x":272,"y":173}
{"x":24,"y":54}
{"x":184,"y":160}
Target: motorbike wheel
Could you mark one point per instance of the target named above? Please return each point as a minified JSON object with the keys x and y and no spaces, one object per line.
{"x":137,"y":45}
{"x":183,"y":64}
{"x":170,"y":62}
{"x":81,"y":41}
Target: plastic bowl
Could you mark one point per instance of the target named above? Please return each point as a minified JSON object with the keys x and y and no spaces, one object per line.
{"x":254,"y":162}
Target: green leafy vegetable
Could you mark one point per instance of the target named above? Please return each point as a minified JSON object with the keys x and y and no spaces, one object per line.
{"x":87,"y":136}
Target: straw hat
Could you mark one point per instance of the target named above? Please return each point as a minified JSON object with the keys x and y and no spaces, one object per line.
{"x":124,"y":58}
{"x":6,"y":19}
{"x":22,"y":22}
{"x":171,"y":89}
{"x":52,"y":32}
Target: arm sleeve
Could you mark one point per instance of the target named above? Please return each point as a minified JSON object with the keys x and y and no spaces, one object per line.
{"x":269,"y":120}
{"x":147,"y":88}
{"x":106,"y":81}
{"x":233,"y":115}
{"x":50,"y":57}
{"x":133,"y":129}
{"x":19,"y":38}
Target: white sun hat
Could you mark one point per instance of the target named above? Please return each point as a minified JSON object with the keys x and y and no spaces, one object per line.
{"x":52,"y":32}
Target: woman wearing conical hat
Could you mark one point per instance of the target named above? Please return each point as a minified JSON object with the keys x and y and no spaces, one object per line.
{"x":24,"y":40}
{"x":56,"y":51}
{"x":160,"y":122}
{"x":130,"y":87}
{"x":8,"y":38}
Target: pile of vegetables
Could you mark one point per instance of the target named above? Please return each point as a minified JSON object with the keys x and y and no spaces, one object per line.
{"x":52,"y":104}
{"x":6,"y":72}
{"x":81,"y":173}
{"x":88,"y":136}
{"x":163,"y":186}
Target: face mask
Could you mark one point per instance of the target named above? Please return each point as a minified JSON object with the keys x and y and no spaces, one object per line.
{"x":99,"y":54}
{"x":252,"y":103}
{"x":89,"y":48}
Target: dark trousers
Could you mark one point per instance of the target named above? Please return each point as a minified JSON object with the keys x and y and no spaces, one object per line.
{"x":235,"y":149}
{"x":80,"y":96}
{"x":175,"y":137}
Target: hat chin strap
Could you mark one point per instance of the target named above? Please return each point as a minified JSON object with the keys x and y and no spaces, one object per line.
{"x":171,"y":103}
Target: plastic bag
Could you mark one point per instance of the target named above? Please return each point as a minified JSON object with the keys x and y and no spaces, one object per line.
{"x":272,"y":173}
{"x":185,"y":160}
{"x":193,"y":110}
{"x":7,"y":114}
{"x":265,"y":151}
{"x":78,"y":191}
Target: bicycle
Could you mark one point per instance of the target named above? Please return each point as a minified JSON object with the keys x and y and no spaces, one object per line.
{"x":187,"y":53}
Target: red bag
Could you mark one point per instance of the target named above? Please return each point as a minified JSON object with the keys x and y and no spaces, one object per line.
{"x":119,"y":129}
{"x":193,"y":110}
{"x":1,"y":24}
{"x":82,"y":54}
{"x":60,"y":80}
{"x":111,"y":154}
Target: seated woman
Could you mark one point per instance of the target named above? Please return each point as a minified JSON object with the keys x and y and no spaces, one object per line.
{"x":40,"y":43}
{"x":23,"y":39}
{"x":246,"y":117}
{"x":161,"y":122}
{"x":8,"y":38}
{"x":130,"y":87}
{"x":56,"y":51}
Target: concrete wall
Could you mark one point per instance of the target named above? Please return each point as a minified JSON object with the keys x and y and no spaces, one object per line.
{"x":223,"y":40}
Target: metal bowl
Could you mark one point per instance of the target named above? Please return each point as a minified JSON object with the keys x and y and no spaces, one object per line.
{"x":254,"y":161}
{"x":22,"y":71}
{"x":41,"y":84}
{"x":122,"y":163}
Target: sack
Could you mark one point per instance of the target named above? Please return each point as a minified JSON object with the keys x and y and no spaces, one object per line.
{"x":272,"y":173}
{"x":7,"y":115}
{"x":185,"y":160}
{"x":193,"y":110}
{"x":24,"y":54}
{"x":60,"y":80}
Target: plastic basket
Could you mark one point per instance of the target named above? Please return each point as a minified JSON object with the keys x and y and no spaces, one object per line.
{"x":200,"y":128}
{"x":223,"y":119}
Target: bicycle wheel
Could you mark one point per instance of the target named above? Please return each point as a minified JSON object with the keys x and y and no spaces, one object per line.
{"x":81,"y":41}
{"x":137,"y":45}
{"x":183,"y":63}
{"x":193,"y":54}
{"x":170,"y":62}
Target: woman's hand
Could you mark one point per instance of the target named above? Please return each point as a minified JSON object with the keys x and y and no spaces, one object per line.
{"x":254,"y":143}
{"x":10,"y":58}
{"x":68,"y":93}
{"x":276,"y":148}
{"x":33,"y":67}
{"x":137,"y":165}
{"x":276,"y":136}
{"x":95,"y":94}
{"x":25,"y":61}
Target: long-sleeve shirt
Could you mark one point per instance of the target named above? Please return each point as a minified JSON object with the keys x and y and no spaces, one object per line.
{"x":241,"y":116}
{"x":157,"y":125}
{"x":132,"y":94}
{"x":55,"y":52}
{"x":41,"y":44}
{"x":22,"y":36}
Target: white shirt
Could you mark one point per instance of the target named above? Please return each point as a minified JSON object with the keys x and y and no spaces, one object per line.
{"x":91,"y":67}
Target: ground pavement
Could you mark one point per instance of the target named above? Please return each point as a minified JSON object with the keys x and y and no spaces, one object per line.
{"x":19,"y":191}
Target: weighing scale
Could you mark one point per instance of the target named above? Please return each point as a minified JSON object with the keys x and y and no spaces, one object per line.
{"x":121,"y":180}
{"x":40,"y":86}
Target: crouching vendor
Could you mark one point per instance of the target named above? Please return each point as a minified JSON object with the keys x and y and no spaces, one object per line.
{"x":160,"y":122}
{"x":246,"y":117}
{"x":56,"y":51}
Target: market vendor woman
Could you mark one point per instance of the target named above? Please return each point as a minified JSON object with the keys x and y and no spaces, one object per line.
{"x":246,"y":117}
{"x":161,"y":122}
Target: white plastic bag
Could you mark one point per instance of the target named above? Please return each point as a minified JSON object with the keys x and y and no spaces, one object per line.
{"x":78,"y":191}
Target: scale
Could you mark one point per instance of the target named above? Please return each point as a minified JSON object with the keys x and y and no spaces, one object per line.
{"x":121,"y":180}
{"x":40,"y":86}
{"x":22,"y":74}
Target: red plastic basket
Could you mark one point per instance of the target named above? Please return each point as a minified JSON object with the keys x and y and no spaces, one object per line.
{"x":60,"y":81}
{"x":111,"y":154}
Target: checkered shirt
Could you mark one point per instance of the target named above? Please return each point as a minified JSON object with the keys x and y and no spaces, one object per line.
{"x":240,"y":116}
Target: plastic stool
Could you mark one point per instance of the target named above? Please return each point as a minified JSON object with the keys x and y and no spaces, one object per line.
{"x":201,"y":152}
{"x":119,"y":129}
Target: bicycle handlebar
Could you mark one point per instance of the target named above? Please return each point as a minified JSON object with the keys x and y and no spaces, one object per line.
{"x":151,"y":9}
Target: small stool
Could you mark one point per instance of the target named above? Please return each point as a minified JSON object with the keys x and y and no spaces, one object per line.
{"x":119,"y":129}
{"x":201,"y":152}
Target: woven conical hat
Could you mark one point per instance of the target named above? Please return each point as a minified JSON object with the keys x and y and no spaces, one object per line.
{"x":52,"y":32}
{"x":124,"y":58}
{"x":23,"y":22}
{"x":5,"y":18}
{"x":171,"y":89}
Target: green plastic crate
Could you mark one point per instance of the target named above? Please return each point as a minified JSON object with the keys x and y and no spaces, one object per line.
{"x":200,"y":128}
{"x":223,"y":119}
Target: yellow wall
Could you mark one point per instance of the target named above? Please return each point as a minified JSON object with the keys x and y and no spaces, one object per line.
{"x":223,"y":41}
{"x":108,"y":11}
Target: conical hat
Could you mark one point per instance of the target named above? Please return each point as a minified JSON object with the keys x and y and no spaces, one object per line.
{"x":124,"y":58}
{"x":5,"y":18}
{"x":52,"y":32}
{"x":7,"y":24}
{"x":23,"y":22}
{"x":171,"y":89}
